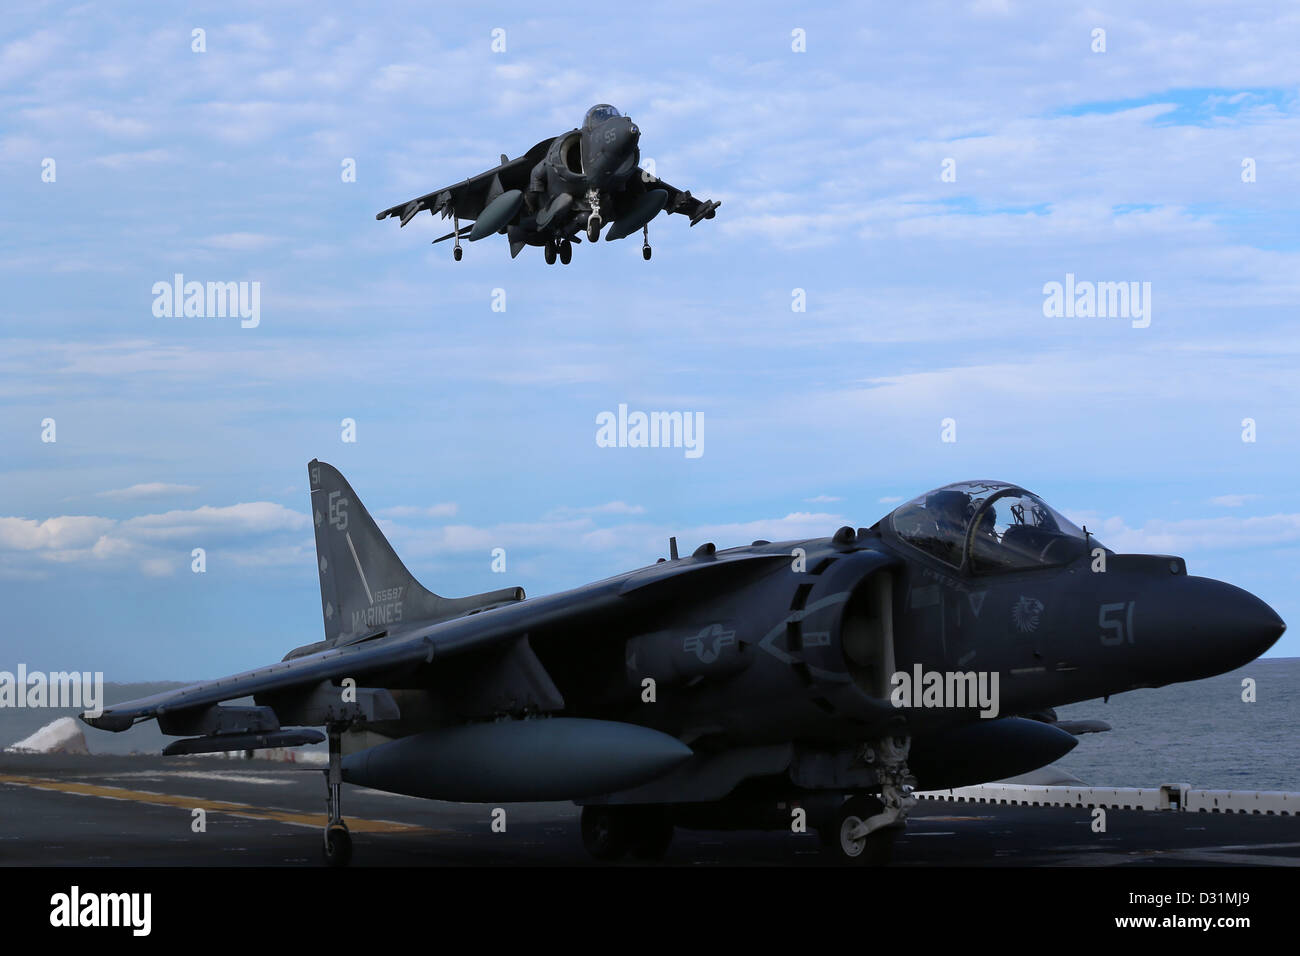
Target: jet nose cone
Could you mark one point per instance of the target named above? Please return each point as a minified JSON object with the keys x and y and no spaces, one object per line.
{"x":626,"y":133}
{"x":1263,"y":627}
{"x":1217,"y":627}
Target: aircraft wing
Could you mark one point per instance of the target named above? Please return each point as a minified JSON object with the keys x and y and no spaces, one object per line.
{"x":468,"y":197}
{"x":679,"y":200}
{"x":355,"y":661}
{"x":369,"y":662}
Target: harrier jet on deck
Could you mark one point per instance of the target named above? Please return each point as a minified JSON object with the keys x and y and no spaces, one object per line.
{"x":565,"y":185}
{"x":721,"y":689}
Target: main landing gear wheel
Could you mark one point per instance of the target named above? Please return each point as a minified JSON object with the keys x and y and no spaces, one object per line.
{"x":566,"y":251}
{"x":549,"y":252}
{"x":873,"y":849}
{"x":605,"y":832}
{"x":593,"y":227}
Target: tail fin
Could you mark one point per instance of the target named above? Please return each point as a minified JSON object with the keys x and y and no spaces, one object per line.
{"x":365,"y":589}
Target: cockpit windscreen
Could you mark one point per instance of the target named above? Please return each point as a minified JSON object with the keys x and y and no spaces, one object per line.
{"x":598,"y":114}
{"x":986,"y":526}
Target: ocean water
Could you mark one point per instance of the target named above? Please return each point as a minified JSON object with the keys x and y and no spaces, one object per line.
{"x":1200,"y":733}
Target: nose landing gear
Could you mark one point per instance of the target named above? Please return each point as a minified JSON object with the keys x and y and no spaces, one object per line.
{"x":865,"y":826}
{"x":594,"y":222}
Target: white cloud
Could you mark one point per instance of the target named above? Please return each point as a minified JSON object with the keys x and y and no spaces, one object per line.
{"x":1232,"y":501}
{"x":151,"y":489}
{"x":156,"y":543}
{"x":608,"y":508}
{"x":1201,"y":534}
{"x":240,"y":241}
{"x":443,"y":510}
{"x":53,"y":534}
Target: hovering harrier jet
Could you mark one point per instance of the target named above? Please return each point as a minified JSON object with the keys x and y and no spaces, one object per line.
{"x":719,"y":690}
{"x":564,"y":185}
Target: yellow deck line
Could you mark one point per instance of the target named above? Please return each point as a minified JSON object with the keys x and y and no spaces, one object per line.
{"x":211,"y":806}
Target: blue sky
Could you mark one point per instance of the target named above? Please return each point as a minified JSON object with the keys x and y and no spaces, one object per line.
{"x":476,"y":429}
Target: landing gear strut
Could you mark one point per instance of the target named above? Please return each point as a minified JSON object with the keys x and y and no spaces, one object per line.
{"x":456,"y":251}
{"x":645,"y":241}
{"x":338,"y":841}
{"x":865,"y":826}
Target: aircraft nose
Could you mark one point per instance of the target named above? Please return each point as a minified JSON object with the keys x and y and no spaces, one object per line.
{"x":628,"y":134}
{"x":1210,"y":627}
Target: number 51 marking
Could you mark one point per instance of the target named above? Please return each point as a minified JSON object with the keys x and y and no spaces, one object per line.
{"x":1108,"y":618}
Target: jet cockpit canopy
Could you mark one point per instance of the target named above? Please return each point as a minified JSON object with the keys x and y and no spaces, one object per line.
{"x":988,"y":526}
{"x":598,"y":114}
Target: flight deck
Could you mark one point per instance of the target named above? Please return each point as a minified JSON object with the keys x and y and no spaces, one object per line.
{"x":98,"y":810}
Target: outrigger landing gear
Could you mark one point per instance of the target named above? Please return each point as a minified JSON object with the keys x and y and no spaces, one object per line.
{"x":338,"y":841}
{"x":645,"y":241}
{"x":456,"y":251}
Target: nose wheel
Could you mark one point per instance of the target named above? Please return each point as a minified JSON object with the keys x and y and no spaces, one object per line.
{"x":594,"y":222}
{"x":863,"y":829}
{"x":849,"y":840}
{"x":338,"y":841}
